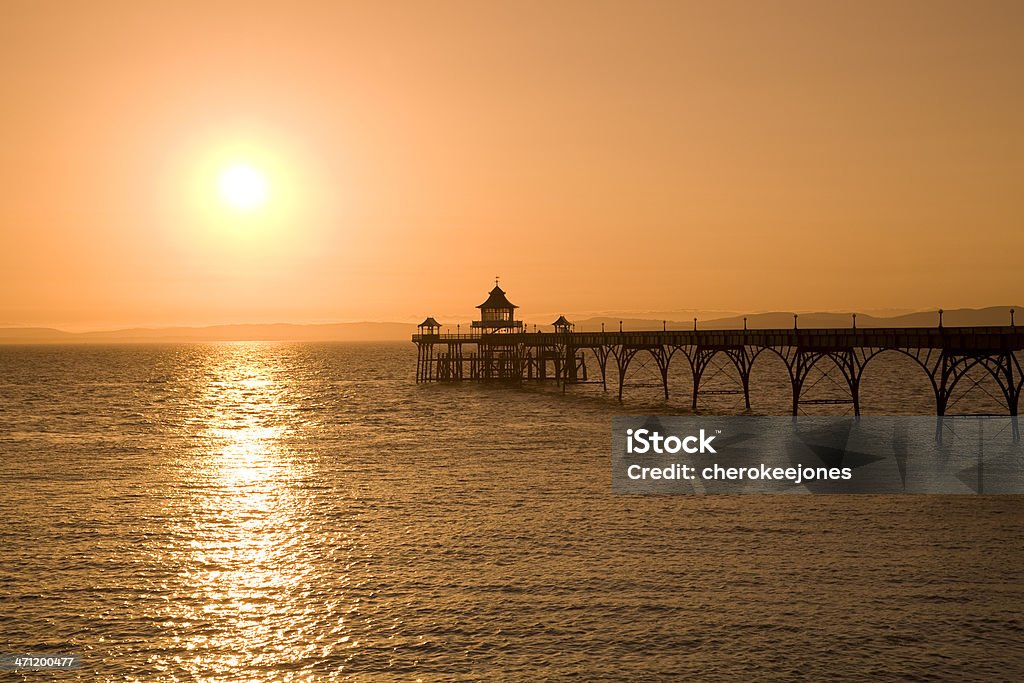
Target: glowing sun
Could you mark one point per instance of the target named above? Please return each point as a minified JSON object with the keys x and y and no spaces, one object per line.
{"x":243,"y":187}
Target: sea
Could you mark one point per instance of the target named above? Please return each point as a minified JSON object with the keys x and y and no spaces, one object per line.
{"x":308,"y":512}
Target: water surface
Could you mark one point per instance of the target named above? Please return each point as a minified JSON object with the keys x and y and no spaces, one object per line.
{"x":276,"y":512}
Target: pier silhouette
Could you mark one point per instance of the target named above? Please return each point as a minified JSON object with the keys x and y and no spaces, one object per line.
{"x":498,"y":348}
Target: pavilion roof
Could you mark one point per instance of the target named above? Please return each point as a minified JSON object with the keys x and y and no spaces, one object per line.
{"x":497,"y":299}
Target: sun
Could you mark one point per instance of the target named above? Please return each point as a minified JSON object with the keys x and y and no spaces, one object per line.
{"x":243,"y":187}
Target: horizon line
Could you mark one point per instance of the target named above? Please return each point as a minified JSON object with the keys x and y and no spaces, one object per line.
{"x":626,"y":317}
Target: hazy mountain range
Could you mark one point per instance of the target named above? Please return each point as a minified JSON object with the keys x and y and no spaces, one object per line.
{"x":389,"y":331}
{"x":366,"y":331}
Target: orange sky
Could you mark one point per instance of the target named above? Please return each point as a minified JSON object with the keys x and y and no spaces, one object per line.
{"x":598,"y":156}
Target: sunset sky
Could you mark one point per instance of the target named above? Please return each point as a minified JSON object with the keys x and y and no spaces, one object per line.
{"x":391,"y":158}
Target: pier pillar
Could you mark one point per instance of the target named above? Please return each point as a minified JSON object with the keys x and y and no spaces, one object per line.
{"x":702,"y":359}
{"x":1003,"y":366}
{"x":800,"y":363}
{"x":601,"y":352}
{"x":424,"y":363}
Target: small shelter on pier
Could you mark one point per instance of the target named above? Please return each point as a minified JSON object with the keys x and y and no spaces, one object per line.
{"x":429,"y":326}
{"x":562,"y":325}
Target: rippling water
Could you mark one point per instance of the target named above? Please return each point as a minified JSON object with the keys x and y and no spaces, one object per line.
{"x":277,"y":512}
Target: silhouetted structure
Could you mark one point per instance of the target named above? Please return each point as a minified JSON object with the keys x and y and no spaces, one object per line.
{"x":428,"y":329}
{"x":429,"y":326}
{"x":500,"y":350}
{"x":497,"y":314}
{"x":562,"y":325}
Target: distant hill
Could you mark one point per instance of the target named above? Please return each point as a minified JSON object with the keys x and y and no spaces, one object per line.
{"x":365,"y":331}
{"x":34,"y":335}
{"x":371,"y":331}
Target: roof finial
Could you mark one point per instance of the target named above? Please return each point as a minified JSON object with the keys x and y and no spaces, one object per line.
{"x":495,"y":280}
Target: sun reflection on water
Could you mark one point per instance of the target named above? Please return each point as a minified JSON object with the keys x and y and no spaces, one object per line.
{"x":244,"y":573}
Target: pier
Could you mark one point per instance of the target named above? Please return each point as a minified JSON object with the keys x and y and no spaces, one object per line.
{"x":498,"y":348}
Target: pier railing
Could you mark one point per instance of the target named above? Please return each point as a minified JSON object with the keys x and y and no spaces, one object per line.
{"x":988,"y":338}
